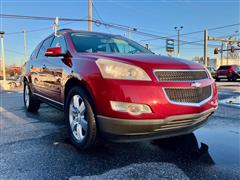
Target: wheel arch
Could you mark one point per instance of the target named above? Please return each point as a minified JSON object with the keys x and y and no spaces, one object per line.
{"x":73,"y":82}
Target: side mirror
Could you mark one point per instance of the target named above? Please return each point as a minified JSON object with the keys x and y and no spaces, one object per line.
{"x":54,"y":52}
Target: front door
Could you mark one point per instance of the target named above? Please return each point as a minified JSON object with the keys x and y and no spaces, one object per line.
{"x":53,"y":71}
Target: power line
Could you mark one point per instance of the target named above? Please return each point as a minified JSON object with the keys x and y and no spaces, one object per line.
{"x":225,"y":36}
{"x":196,"y":32}
{"x":36,"y":30}
{"x":98,"y":14}
{"x":98,"y":22}
{"x":114,"y":25}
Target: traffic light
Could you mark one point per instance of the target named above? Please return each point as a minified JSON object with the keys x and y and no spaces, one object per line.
{"x":216,"y":51}
{"x":232,"y":49}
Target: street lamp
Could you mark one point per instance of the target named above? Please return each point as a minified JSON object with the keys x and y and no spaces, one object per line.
{"x":3,"y":60}
{"x":178,"y":29}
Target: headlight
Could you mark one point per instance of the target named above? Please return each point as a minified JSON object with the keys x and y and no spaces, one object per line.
{"x":115,"y":70}
{"x":131,"y":108}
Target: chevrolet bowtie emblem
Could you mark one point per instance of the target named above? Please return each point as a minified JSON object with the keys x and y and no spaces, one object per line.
{"x":196,"y":84}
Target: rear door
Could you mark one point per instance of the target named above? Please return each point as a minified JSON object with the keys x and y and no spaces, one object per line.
{"x":40,"y":68}
{"x":32,"y":66}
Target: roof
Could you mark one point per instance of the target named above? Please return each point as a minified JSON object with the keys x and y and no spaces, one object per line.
{"x":82,"y":31}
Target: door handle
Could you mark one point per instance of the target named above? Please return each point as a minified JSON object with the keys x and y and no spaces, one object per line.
{"x":44,"y":66}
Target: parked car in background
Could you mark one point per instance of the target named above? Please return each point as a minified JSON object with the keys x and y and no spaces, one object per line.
{"x":213,"y":71}
{"x":14,"y":81}
{"x":229,"y":72}
{"x":113,"y":88}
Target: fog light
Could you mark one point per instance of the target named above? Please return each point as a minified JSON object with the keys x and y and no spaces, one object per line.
{"x":131,"y":108}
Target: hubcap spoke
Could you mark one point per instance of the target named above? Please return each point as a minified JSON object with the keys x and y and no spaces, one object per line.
{"x":79,"y":132}
{"x":76,"y":101}
{"x":82,"y":107}
{"x":84,"y":123}
{"x":73,"y":124}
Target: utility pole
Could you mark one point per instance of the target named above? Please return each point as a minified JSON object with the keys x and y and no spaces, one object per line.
{"x":205,"y":48}
{"x":222,"y":53}
{"x":130,"y":30}
{"x":178,"y":29}
{"x":3,"y":60}
{"x":25,"y":46}
{"x":90,"y":15}
{"x":129,"y":33}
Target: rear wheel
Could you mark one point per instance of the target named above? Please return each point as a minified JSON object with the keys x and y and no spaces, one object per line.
{"x":80,"y":119}
{"x":31,"y":104}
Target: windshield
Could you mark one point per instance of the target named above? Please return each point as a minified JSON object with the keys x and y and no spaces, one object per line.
{"x":100,"y":43}
{"x":224,"y":67}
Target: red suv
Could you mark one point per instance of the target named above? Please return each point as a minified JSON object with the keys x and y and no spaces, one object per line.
{"x":230,"y":72}
{"x":113,"y":88}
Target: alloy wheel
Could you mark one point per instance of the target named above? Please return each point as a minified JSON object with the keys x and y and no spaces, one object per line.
{"x":77,"y":118}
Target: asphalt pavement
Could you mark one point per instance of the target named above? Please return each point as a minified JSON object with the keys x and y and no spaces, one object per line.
{"x":36,"y":146}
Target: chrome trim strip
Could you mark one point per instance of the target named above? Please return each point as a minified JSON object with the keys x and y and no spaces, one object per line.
{"x":48,"y":98}
{"x":181,"y":70}
{"x":189,"y":104}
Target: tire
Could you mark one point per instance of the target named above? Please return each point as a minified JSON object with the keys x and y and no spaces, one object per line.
{"x":31,"y":104}
{"x":80,"y":119}
{"x":234,"y":78}
{"x":229,"y":79}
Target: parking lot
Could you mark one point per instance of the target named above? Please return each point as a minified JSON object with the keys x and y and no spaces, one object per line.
{"x":35,"y":146}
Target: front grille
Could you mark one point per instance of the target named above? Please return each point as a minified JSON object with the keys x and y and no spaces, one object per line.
{"x":188,"y":95}
{"x":176,"y":75}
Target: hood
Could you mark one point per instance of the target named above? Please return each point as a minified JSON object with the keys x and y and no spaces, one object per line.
{"x":148,"y":60}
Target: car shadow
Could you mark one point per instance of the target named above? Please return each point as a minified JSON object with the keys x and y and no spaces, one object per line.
{"x":185,"y":148}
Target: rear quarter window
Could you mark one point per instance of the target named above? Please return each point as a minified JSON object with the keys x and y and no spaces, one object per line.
{"x":35,"y":52}
{"x":45,"y":45}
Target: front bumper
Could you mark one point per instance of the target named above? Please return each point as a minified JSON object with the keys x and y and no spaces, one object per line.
{"x":149,"y":93}
{"x":127,"y":130}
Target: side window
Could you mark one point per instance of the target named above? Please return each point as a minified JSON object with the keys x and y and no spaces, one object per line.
{"x":59,"y":41}
{"x":35,"y":52}
{"x":45,"y":45}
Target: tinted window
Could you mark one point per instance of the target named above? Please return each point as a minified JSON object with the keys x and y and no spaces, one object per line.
{"x":46,"y":44}
{"x":102,"y":43}
{"x":224,"y":67}
{"x":59,"y":41}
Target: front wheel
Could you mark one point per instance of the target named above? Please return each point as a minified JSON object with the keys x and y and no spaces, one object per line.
{"x":31,"y":104}
{"x":80,"y":119}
